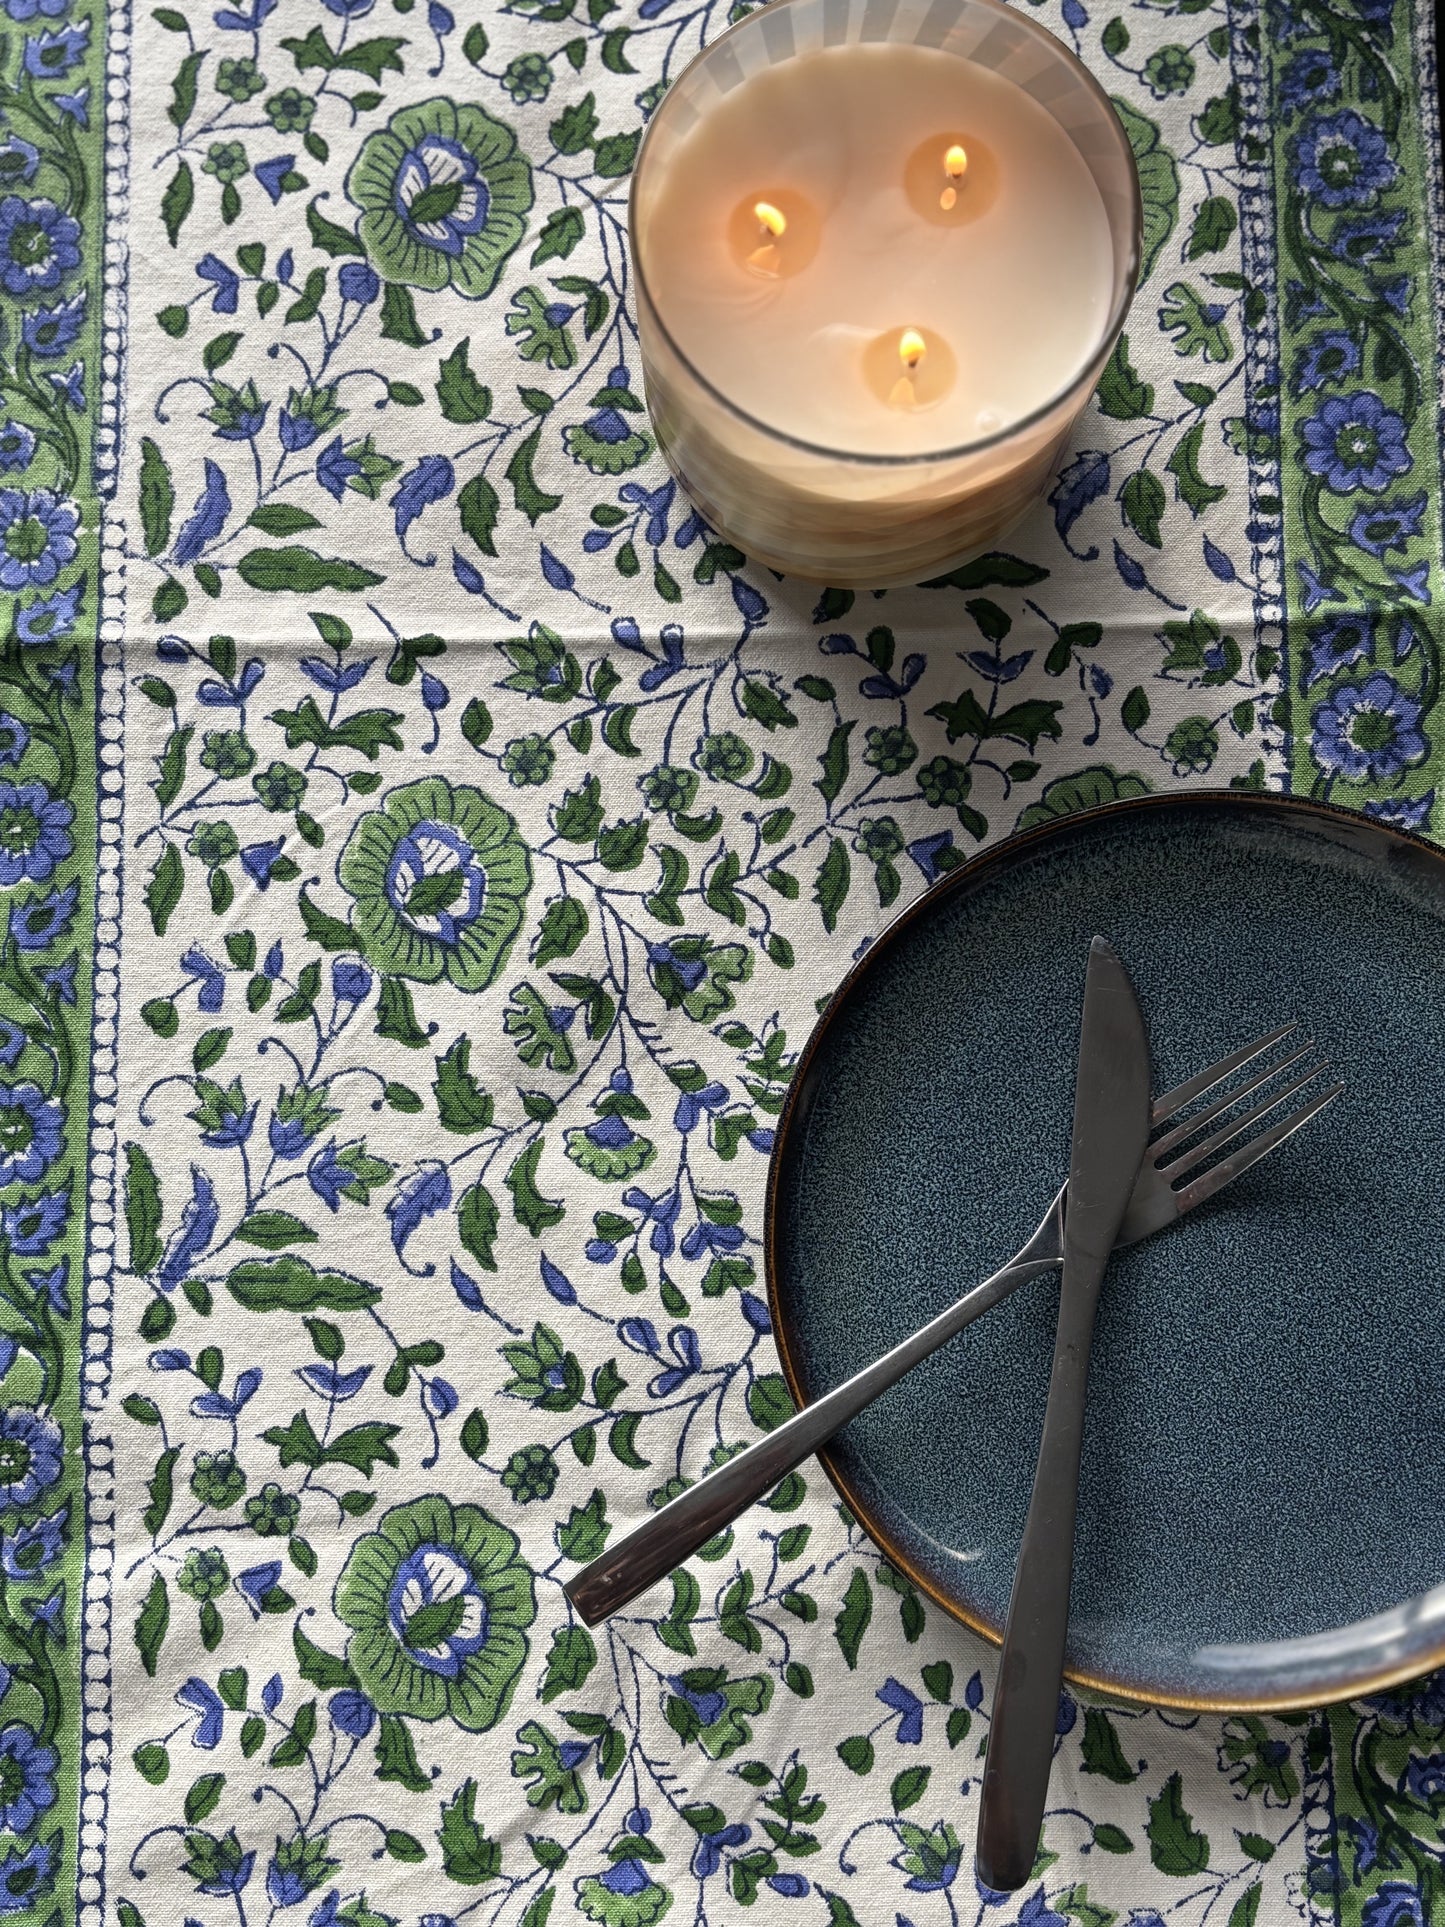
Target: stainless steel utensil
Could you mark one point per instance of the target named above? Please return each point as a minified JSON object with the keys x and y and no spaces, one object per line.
{"x":1177,"y":1174}
{"x":1111,"y":1133}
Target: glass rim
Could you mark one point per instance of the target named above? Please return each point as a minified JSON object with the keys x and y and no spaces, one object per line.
{"x":1088,"y":372}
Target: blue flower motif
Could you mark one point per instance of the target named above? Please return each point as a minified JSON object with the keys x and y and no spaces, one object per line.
{"x":1368,"y":237}
{"x":37,"y":536}
{"x":39,"y":246}
{"x":1368,"y":731}
{"x":909,"y":1708}
{"x":75,"y":106}
{"x":258,"y":860}
{"x":1355,"y":442}
{"x":12,"y":1042}
{"x":34,"y":831}
{"x":358,"y":280}
{"x":31,"y":1446}
{"x":433,"y":1576}
{"x":70,"y":387}
{"x":1311,"y":76}
{"x":197,"y":1697}
{"x":1343,"y":160}
{"x":32,"y":1224}
{"x":1335,"y":643}
{"x":54,"y":52}
{"x":350,"y":980}
{"x":17,"y":445}
{"x":1402,"y":812}
{"x":13,"y":737}
{"x":1394,"y":1905}
{"x":1389,"y":527}
{"x":18,"y":161}
{"x":26,"y":1875}
{"x":272,"y":175}
{"x":32,"y":1127}
{"x":52,"y":619}
{"x":27,"y":1777}
{"x":22,"y":10}
{"x":1328,"y":358}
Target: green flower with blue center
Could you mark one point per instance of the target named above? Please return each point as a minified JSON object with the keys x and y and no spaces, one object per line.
{"x":440,"y":877}
{"x":444,"y":197}
{"x":439,"y":1605}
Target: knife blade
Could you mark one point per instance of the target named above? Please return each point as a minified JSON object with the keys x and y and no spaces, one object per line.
{"x":1110,"y":1136}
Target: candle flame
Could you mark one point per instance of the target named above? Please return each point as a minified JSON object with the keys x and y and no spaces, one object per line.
{"x":955,"y":166}
{"x":771,"y":220}
{"x":911,"y":348}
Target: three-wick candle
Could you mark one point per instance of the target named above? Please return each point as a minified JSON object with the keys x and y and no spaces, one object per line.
{"x":882,"y":252}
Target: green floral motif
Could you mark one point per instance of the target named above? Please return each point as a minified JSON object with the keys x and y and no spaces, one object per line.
{"x":440,"y":877}
{"x":625,"y":1896}
{"x":531,"y":1474}
{"x":528,"y":761}
{"x":712,"y":1709}
{"x":528,"y":77}
{"x":290,"y":111}
{"x":239,"y":80}
{"x":697,"y":975}
{"x":444,"y":196}
{"x":889,"y":749}
{"x":606,"y":443}
{"x":609,"y":1148}
{"x":271,"y":1512}
{"x":280,"y":787}
{"x":217,"y":1480}
{"x":1085,"y":789}
{"x":227,"y":752}
{"x":226,"y":160}
{"x":439,"y":1604}
{"x":205,"y":1574}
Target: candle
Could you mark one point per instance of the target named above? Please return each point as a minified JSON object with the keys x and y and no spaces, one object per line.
{"x":878,"y":275}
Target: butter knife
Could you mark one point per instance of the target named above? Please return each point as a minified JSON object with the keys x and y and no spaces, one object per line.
{"x":1111,"y":1133}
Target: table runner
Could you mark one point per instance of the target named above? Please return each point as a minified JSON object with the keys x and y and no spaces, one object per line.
{"x":424,"y":847}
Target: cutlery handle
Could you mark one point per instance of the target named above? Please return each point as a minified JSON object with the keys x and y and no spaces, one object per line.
{"x":670,"y":1536}
{"x":1031,"y":1668}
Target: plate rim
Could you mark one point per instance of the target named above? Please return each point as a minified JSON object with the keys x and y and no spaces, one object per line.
{"x":1343,"y":826}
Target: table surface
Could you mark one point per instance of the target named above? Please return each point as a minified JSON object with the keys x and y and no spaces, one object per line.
{"x":424,"y":848}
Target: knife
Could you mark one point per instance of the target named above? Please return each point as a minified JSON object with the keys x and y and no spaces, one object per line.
{"x":1111,"y":1133}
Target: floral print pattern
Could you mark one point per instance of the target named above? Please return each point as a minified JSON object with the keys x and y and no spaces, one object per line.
{"x":490,"y":829}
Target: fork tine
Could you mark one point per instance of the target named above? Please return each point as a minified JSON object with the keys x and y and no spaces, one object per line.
{"x":1232,"y":1128}
{"x":1249,"y":1154}
{"x":1174,"y":1101}
{"x":1198,"y":1119}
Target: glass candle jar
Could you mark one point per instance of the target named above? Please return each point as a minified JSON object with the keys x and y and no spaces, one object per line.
{"x":882,"y":251}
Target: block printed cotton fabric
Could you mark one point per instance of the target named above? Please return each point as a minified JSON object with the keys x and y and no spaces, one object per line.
{"x":424,"y":849}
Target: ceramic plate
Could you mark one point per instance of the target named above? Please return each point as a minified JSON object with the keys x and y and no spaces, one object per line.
{"x":1260,"y":1514}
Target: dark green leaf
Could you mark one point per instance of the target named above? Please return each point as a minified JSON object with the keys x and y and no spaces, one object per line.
{"x":291,"y":1284}
{"x":830,"y":889}
{"x":1102,"y":1752}
{"x":477,"y":1222}
{"x":302,"y":571}
{"x":330,"y":238}
{"x":183,"y":90}
{"x":163,"y":891}
{"x":160,"y":1488}
{"x":396,"y":1756}
{"x":1214,"y":225}
{"x":909,"y":1787}
{"x":1175,"y":1844}
{"x":398,"y":316}
{"x":157,"y":497}
{"x":468,"y":1856}
{"x":462,"y":397}
{"x":531,"y":500}
{"x":273,"y":1230}
{"x":1121,"y":393}
{"x":142,"y":1195}
{"x":1143,"y":501}
{"x":562,"y":230}
{"x":177,"y":202}
{"x":151,"y":1623}
{"x":853,"y":1616}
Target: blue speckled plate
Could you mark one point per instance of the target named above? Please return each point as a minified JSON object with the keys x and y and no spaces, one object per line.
{"x":1261,"y":1521}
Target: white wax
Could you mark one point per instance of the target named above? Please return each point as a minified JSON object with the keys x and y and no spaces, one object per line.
{"x":1020,"y":292}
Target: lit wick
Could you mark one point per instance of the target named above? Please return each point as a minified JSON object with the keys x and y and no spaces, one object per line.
{"x":955,"y":166}
{"x":911,"y":350}
{"x":772,"y":225}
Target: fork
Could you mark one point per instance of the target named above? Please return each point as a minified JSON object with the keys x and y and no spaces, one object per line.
{"x":1177,"y":1174}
